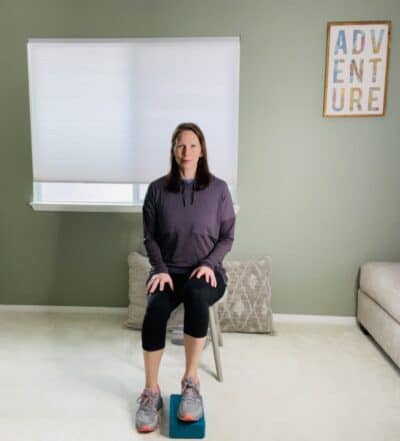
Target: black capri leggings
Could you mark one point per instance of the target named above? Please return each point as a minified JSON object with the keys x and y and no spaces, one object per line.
{"x":197,"y":295}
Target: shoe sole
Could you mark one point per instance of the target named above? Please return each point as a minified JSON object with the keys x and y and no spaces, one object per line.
{"x":147,"y":429}
{"x":187,"y":417}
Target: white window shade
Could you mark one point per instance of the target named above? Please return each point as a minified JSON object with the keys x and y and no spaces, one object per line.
{"x":104,"y":110}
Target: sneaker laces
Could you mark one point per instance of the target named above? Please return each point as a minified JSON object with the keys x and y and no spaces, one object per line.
{"x":190,"y":392}
{"x":147,"y":401}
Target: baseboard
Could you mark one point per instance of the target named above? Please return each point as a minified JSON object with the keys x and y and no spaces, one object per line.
{"x":312,"y":318}
{"x":298,"y":318}
{"x":56,"y":308}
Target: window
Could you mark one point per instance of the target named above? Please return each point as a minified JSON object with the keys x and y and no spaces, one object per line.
{"x":103,"y":111}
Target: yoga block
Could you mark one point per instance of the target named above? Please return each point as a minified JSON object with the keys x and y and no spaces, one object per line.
{"x":183,"y":429}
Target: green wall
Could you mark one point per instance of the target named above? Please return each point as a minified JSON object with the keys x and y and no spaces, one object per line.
{"x":319,"y":195}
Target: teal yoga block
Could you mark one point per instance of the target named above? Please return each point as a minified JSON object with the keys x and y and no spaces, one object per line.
{"x":183,"y":429}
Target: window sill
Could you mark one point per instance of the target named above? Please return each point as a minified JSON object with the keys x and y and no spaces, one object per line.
{"x":86,"y":206}
{"x":93,"y":207}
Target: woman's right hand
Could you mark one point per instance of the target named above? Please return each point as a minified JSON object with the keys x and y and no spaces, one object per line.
{"x":159,"y":279}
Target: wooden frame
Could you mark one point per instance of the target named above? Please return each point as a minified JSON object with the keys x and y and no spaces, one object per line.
{"x":362,"y":80}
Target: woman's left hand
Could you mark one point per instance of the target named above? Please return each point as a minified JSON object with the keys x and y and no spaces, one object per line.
{"x":207,"y":272}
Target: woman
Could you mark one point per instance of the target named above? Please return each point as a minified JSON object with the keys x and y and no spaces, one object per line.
{"x":188,"y":225}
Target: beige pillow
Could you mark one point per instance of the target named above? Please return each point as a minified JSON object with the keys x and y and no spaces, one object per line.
{"x":139,"y":268}
{"x":245,"y":306}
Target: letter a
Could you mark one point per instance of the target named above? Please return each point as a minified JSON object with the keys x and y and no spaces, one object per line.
{"x":341,"y":43}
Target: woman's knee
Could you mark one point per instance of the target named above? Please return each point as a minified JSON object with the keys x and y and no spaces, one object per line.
{"x":200,"y":293}
{"x":196,"y":290}
{"x":158,"y":301}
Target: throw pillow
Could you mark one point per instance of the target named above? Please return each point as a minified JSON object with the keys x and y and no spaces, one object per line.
{"x":245,"y":306}
{"x":139,"y":268}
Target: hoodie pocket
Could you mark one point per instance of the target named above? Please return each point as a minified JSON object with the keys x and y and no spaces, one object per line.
{"x":203,"y":243}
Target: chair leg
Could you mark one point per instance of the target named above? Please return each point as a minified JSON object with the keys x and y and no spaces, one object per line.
{"x":218,"y":326}
{"x":214,"y":338}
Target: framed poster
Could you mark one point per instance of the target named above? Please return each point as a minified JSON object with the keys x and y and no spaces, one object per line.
{"x":356,"y":68}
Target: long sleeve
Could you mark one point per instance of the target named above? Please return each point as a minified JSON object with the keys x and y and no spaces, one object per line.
{"x":226,"y":233}
{"x":149,"y":232}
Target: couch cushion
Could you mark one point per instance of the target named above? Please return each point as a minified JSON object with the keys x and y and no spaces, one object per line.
{"x":381,"y":281}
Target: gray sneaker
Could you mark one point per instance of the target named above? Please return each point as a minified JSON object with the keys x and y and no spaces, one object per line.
{"x":147,"y":416}
{"x":191,"y":404}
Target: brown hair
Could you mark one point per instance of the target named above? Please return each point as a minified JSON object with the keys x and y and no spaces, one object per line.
{"x":203,"y":175}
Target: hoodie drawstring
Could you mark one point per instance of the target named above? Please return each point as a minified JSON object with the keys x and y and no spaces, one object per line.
{"x":183,"y":194}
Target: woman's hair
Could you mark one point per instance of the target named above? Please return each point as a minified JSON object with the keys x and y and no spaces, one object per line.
{"x":203,"y":175}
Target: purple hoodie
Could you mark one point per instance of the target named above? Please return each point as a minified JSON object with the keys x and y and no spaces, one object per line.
{"x":188,"y":229}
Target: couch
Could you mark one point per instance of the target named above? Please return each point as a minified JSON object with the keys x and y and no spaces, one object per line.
{"x":378,"y":305}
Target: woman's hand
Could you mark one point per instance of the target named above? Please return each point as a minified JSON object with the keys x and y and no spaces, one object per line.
{"x":159,"y":279}
{"x":206,"y":271}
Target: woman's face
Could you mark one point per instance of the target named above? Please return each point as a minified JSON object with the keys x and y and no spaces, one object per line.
{"x":187,"y":152}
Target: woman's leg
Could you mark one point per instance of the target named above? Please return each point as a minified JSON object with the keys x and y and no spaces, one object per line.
{"x":160,"y":304}
{"x":198,"y":295}
{"x":153,"y":336}
{"x":193,"y":349}
{"x":152,"y":361}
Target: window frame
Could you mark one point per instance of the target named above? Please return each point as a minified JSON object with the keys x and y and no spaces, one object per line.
{"x":134,"y":206}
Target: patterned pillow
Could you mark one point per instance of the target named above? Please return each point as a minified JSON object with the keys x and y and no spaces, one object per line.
{"x":139,"y":268}
{"x":245,"y":306}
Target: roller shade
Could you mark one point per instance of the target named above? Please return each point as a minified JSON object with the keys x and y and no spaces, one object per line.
{"x":103,"y":110}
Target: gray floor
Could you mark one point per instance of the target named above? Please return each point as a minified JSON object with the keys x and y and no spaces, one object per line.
{"x":76,"y":376}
